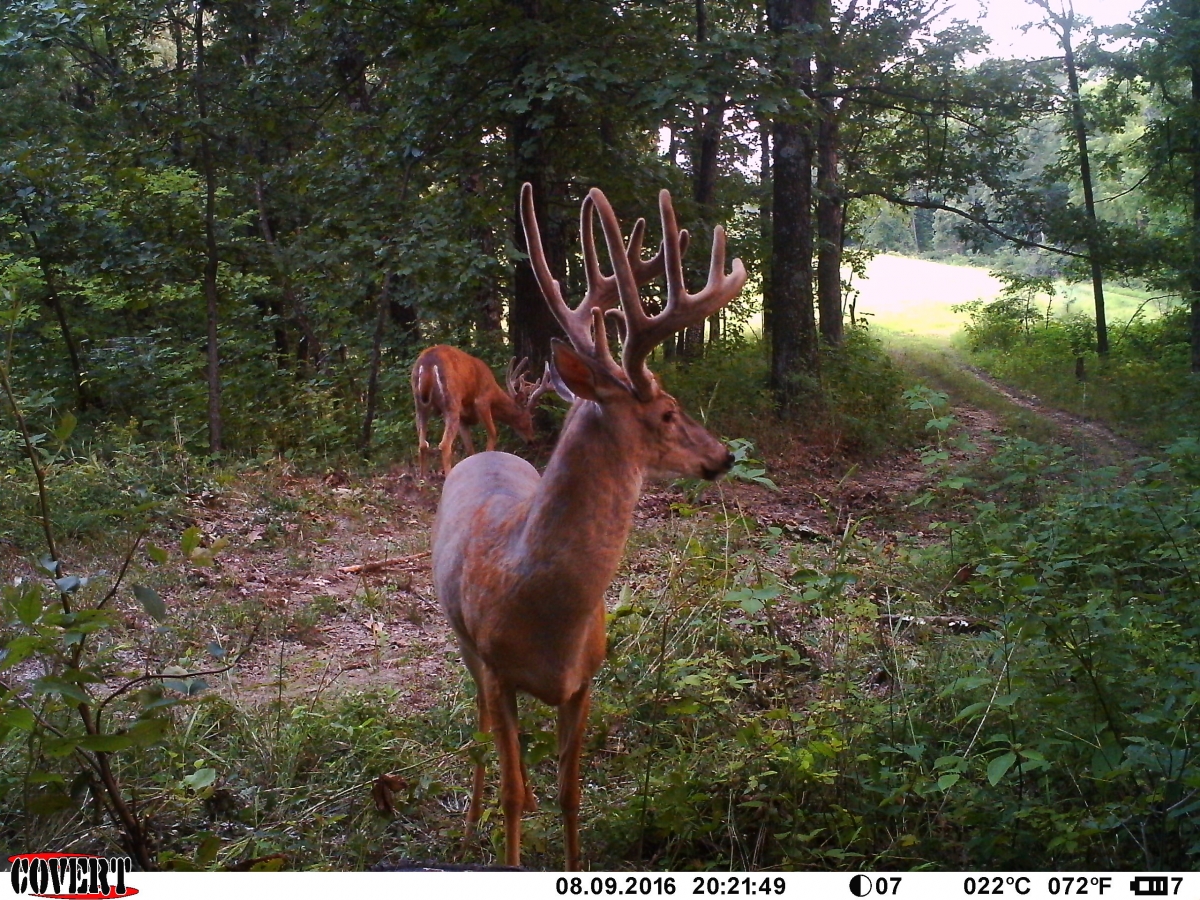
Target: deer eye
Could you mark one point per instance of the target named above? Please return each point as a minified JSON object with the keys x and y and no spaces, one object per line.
{"x":668,"y":416}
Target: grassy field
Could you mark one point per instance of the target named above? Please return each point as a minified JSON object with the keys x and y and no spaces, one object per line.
{"x":916,"y":296}
{"x":904,"y":295}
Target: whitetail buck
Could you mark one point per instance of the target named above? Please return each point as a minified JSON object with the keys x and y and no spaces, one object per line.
{"x":521,"y":562}
{"x":463,"y":390}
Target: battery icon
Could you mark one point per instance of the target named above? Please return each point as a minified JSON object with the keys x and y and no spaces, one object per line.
{"x":1149,"y":886}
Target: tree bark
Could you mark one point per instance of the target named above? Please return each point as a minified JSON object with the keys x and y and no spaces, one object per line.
{"x":764,"y":216}
{"x":710,"y":122}
{"x":211,"y":258}
{"x":830,"y":202}
{"x":1066,"y":24}
{"x":381,"y":309}
{"x":531,"y":324}
{"x":83,"y":395}
{"x":793,"y":321}
{"x":1194,"y":277}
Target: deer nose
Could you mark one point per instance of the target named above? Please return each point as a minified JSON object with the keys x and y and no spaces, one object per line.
{"x":714,"y":472}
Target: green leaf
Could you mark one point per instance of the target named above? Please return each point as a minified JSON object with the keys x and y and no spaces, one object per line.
{"x":954,"y":763}
{"x":49,"y":803}
{"x":156,"y":553}
{"x":751,"y":605}
{"x":189,"y":541}
{"x":28,"y":602}
{"x":968,"y":712}
{"x":66,"y":426}
{"x":200,"y":779}
{"x":151,"y":602}
{"x":999,"y":767}
{"x":105,"y":743}
{"x":49,"y":565}
{"x":57,"y":748}
{"x":948,"y":780}
{"x":19,"y":719}
{"x":189,"y":687}
{"x":19,"y":649}
{"x":206,"y":853}
{"x":66,"y":689}
{"x":146,"y":732}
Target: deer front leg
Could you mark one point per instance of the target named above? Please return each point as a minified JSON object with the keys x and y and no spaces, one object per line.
{"x":572,"y":718}
{"x":475,"y":810}
{"x":502,"y":702}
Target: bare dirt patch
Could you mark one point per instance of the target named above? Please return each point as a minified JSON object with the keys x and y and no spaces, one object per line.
{"x":335,"y":632}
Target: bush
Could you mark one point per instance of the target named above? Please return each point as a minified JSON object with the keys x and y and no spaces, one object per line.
{"x":1143,"y":387}
{"x":855,"y":404}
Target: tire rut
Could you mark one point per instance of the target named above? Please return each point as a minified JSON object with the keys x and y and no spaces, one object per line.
{"x":1093,"y":438}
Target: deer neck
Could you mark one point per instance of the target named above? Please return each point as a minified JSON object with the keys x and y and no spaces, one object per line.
{"x":583,"y":508}
{"x":504,"y":407}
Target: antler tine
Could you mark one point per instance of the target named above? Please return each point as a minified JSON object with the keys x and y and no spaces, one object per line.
{"x":512,"y":375}
{"x":643,"y":333}
{"x":644,"y":270}
{"x":537,"y":388}
{"x":576,"y":323}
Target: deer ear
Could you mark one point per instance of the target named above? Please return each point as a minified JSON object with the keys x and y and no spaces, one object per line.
{"x":582,"y":377}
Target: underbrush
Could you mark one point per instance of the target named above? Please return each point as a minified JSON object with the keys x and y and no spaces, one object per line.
{"x":1143,"y":387}
{"x":853,"y":407}
{"x":768,"y":703}
{"x":1018,"y":693}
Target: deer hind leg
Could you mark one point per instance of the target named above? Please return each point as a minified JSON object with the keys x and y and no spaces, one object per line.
{"x":572,"y":718}
{"x":484,"y":411}
{"x":453,"y":428}
{"x":422,"y":442}
{"x":502,"y":703}
{"x":465,"y":433}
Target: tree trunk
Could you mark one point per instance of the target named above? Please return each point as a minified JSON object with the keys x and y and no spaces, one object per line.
{"x":211,"y":259}
{"x":308,"y":348}
{"x":764,"y":217}
{"x":531,"y":139}
{"x":1194,"y":278}
{"x":531,"y":324}
{"x":830,"y":203}
{"x":829,"y":230}
{"x":709,"y":127}
{"x":83,"y":396}
{"x":381,"y":309}
{"x":1066,"y":25}
{"x":793,"y":322}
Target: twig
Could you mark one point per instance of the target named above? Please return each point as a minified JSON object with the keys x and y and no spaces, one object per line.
{"x":160,"y":676}
{"x":379,"y":564}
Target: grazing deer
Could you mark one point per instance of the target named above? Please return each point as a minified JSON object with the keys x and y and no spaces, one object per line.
{"x":521,"y":562}
{"x":464,"y":391}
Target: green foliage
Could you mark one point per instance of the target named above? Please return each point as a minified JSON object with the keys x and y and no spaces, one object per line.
{"x":861,"y":389}
{"x":1012,"y":316}
{"x":1142,"y":387}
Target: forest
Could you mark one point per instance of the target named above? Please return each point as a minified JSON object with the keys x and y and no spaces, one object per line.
{"x":942,"y":610}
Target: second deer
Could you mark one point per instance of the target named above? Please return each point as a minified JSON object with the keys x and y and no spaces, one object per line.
{"x":521,"y":561}
{"x":463,"y":390}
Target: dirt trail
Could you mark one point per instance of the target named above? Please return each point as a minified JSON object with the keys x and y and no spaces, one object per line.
{"x":1093,"y":438}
